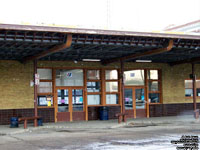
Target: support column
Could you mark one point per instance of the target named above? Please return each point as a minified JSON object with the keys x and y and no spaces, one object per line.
{"x":35,"y":93}
{"x":196,"y":112}
{"x":122,"y":90}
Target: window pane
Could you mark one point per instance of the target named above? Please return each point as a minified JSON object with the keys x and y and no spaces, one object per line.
{"x":77,"y":99}
{"x":198,"y":83}
{"x":93,"y":99}
{"x":111,"y":86}
{"x":45,"y":87}
{"x":45,"y":73}
{"x":93,"y":86}
{"x":111,"y":99}
{"x":154,"y":97}
{"x":134,"y":77}
{"x":153,"y":74}
{"x":188,"y":83}
{"x":128,"y":95}
{"x":188,"y":92}
{"x":198,"y":91}
{"x":153,"y":86}
{"x":93,"y":75}
{"x":111,"y":74}
{"x":63,"y":100}
{"x":139,"y":98}
{"x":43,"y":101}
{"x":69,"y":77}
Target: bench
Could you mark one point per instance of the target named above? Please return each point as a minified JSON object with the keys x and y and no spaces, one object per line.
{"x":25,"y":119}
{"x":121,"y":116}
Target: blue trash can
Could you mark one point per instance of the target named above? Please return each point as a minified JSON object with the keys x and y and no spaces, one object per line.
{"x":14,"y":122}
{"x":39,"y":122}
{"x":103,"y":113}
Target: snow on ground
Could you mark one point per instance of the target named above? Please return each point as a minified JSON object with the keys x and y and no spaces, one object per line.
{"x":159,"y":143}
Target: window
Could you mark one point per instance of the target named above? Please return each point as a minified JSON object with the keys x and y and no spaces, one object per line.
{"x":189,"y":88}
{"x":111,"y":75}
{"x":45,"y":87}
{"x":94,"y":99}
{"x":112,"y":88}
{"x":134,"y":77}
{"x":44,"y":90}
{"x":77,"y":99}
{"x":93,"y":87}
{"x":45,"y":74}
{"x":69,"y":77}
{"x":154,"y":86}
{"x":93,"y":75}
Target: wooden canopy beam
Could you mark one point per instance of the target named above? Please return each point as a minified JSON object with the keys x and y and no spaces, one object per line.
{"x":148,"y":53}
{"x":192,"y":60}
{"x":55,"y":49}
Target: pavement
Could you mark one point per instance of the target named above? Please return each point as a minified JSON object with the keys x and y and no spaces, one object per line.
{"x":99,"y":124}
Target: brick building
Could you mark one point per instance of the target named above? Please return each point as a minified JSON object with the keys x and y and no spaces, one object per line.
{"x":81,"y":70}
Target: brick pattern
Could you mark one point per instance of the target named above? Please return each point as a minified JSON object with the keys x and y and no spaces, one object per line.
{"x":171,"y":109}
{"x":78,"y":116}
{"x":93,"y":112}
{"x":63,"y":116}
{"x":130,"y":113}
{"x":47,"y":114}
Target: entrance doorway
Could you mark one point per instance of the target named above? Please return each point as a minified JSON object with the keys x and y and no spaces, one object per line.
{"x":70,"y":104}
{"x":135,"y":102}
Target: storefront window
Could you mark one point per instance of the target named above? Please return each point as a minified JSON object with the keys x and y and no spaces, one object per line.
{"x":111,"y":98}
{"x":93,"y":87}
{"x":111,"y":86}
{"x":189,"y":88}
{"x":69,"y":77}
{"x":152,"y":74}
{"x":93,"y":74}
{"x":154,"y":97}
{"x":45,"y":101}
{"x":134,"y":77}
{"x":45,"y":87}
{"x":93,"y":99}
{"x":44,"y":90}
{"x":111,"y":74}
{"x":153,"y":86}
{"x":45,"y":74}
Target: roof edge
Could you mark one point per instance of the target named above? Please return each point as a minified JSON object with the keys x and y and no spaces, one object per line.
{"x":163,"y":34}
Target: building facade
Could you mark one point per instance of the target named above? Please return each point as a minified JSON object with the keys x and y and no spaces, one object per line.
{"x":71,"y":89}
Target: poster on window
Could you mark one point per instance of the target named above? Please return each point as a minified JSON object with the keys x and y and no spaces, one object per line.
{"x":69,"y":74}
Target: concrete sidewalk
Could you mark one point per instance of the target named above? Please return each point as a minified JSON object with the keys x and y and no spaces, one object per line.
{"x":97,"y":124}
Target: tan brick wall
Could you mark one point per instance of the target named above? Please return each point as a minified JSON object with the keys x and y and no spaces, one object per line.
{"x":15,"y":90}
{"x":17,"y":93}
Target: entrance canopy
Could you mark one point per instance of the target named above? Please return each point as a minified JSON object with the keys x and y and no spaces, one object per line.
{"x":24,"y":43}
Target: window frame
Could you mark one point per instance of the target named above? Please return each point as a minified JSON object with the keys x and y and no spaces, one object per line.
{"x":94,"y":80}
{"x":190,"y":97}
{"x":159,"y":80}
{"x":51,"y":94}
{"x":112,"y":80}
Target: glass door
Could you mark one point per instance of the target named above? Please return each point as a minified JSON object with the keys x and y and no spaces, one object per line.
{"x":70,"y":104}
{"x":63,"y":100}
{"x":139,"y":98}
{"x":63,"y":104}
{"x":135,"y":102}
{"x":128,"y":95}
{"x":77,"y":99}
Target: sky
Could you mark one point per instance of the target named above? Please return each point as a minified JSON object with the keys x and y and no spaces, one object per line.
{"x":129,"y":15}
